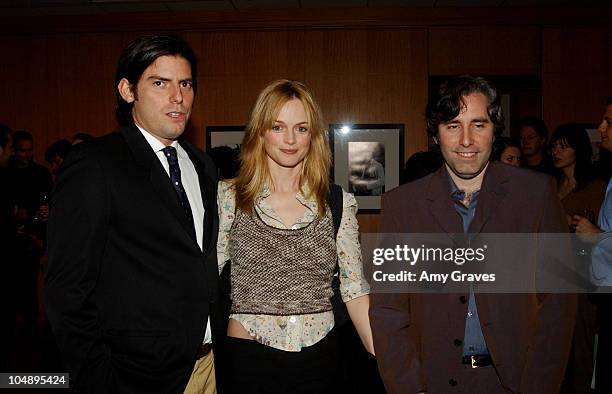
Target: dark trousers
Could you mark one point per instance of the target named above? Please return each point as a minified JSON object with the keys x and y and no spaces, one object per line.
{"x":358,"y":367}
{"x":603,"y":374}
{"x":254,"y":368}
{"x":579,"y":371}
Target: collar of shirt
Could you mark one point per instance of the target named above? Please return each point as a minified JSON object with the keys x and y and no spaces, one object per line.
{"x":264,"y":209}
{"x":156,"y":144}
{"x":467,"y":213}
{"x":458,"y":195}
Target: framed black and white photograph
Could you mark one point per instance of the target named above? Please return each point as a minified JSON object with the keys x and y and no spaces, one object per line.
{"x":368,"y":159}
{"x":230,"y":136}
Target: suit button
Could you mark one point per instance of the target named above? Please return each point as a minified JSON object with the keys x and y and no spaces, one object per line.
{"x":452,"y":382}
{"x":463,"y":299}
{"x":458,"y":342}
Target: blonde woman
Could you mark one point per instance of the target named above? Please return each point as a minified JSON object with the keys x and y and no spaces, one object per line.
{"x":276,"y":229}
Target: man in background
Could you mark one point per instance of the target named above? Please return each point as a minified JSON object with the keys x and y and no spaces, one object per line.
{"x":534,"y":149}
{"x":30,"y":182}
{"x":7,"y":240}
{"x":601,"y":259}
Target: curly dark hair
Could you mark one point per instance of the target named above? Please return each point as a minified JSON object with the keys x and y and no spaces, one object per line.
{"x":445,"y":103}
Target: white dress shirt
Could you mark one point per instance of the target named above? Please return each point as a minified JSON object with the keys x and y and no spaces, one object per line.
{"x":191,"y":184}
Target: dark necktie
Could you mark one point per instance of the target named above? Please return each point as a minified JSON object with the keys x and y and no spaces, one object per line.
{"x":175,"y":177}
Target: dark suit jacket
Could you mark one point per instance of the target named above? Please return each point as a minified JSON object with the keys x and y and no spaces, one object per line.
{"x":128,"y":290}
{"x":417,"y":337}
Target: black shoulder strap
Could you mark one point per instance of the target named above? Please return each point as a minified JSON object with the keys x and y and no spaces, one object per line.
{"x":335,"y":201}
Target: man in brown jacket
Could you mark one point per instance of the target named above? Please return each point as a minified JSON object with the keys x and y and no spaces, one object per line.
{"x":472,"y":342}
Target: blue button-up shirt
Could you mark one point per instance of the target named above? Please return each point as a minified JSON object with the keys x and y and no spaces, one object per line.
{"x":601,"y":256}
{"x":473,"y":342}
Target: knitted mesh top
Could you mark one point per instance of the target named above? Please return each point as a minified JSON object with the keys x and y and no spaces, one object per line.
{"x":281,"y":272}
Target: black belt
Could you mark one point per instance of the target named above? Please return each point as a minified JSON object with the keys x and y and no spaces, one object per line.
{"x":477,"y":360}
{"x":204,"y":350}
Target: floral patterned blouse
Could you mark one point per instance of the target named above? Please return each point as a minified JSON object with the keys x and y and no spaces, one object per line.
{"x":292,"y":333}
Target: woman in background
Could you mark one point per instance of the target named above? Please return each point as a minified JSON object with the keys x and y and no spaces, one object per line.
{"x":582,"y":195}
{"x":276,"y":231}
{"x":508,"y":151}
{"x":571,"y":152}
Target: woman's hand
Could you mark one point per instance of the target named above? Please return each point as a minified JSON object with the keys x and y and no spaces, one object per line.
{"x":584,"y":228}
{"x":358,"y":309}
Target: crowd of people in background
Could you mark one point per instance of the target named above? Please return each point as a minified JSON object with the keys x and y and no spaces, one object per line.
{"x":24,"y":212}
{"x":531,"y":151}
{"x":566,"y":154}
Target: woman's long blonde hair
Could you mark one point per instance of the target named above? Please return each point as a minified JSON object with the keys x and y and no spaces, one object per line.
{"x":254,"y":171}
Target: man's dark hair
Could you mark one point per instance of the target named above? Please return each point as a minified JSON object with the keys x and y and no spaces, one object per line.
{"x":226,"y":160}
{"x":609,"y":101}
{"x":82,"y":136}
{"x":5,"y":131}
{"x":536,"y":124}
{"x":139,"y":55}
{"x":59,"y":148}
{"x":445,"y":104}
{"x":421,"y":164}
{"x":500,"y":146}
{"x":22,"y":135}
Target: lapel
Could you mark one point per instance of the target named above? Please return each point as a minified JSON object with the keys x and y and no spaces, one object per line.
{"x":146,"y":158}
{"x":207,"y":189}
{"x":492,"y":192}
{"x":441,"y":205}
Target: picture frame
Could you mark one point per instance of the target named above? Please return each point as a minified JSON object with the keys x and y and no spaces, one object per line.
{"x":594,"y":136}
{"x":367,"y":160}
{"x":224,"y":136}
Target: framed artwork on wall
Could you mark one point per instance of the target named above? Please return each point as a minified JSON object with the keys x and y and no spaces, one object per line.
{"x":367,"y":160}
{"x":224,"y":136}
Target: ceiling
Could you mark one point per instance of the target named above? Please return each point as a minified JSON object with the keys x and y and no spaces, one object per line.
{"x":93,"y":7}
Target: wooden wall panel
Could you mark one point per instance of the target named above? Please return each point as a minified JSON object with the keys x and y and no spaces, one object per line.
{"x":484,"y":50}
{"x":576,"y":78}
{"x":364,"y":66}
{"x":60,"y":85}
{"x":357,"y":76}
{"x":24,"y":95}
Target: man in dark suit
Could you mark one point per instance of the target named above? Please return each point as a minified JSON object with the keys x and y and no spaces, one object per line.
{"x":131,"y":271}
{"x":472,"y":342}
